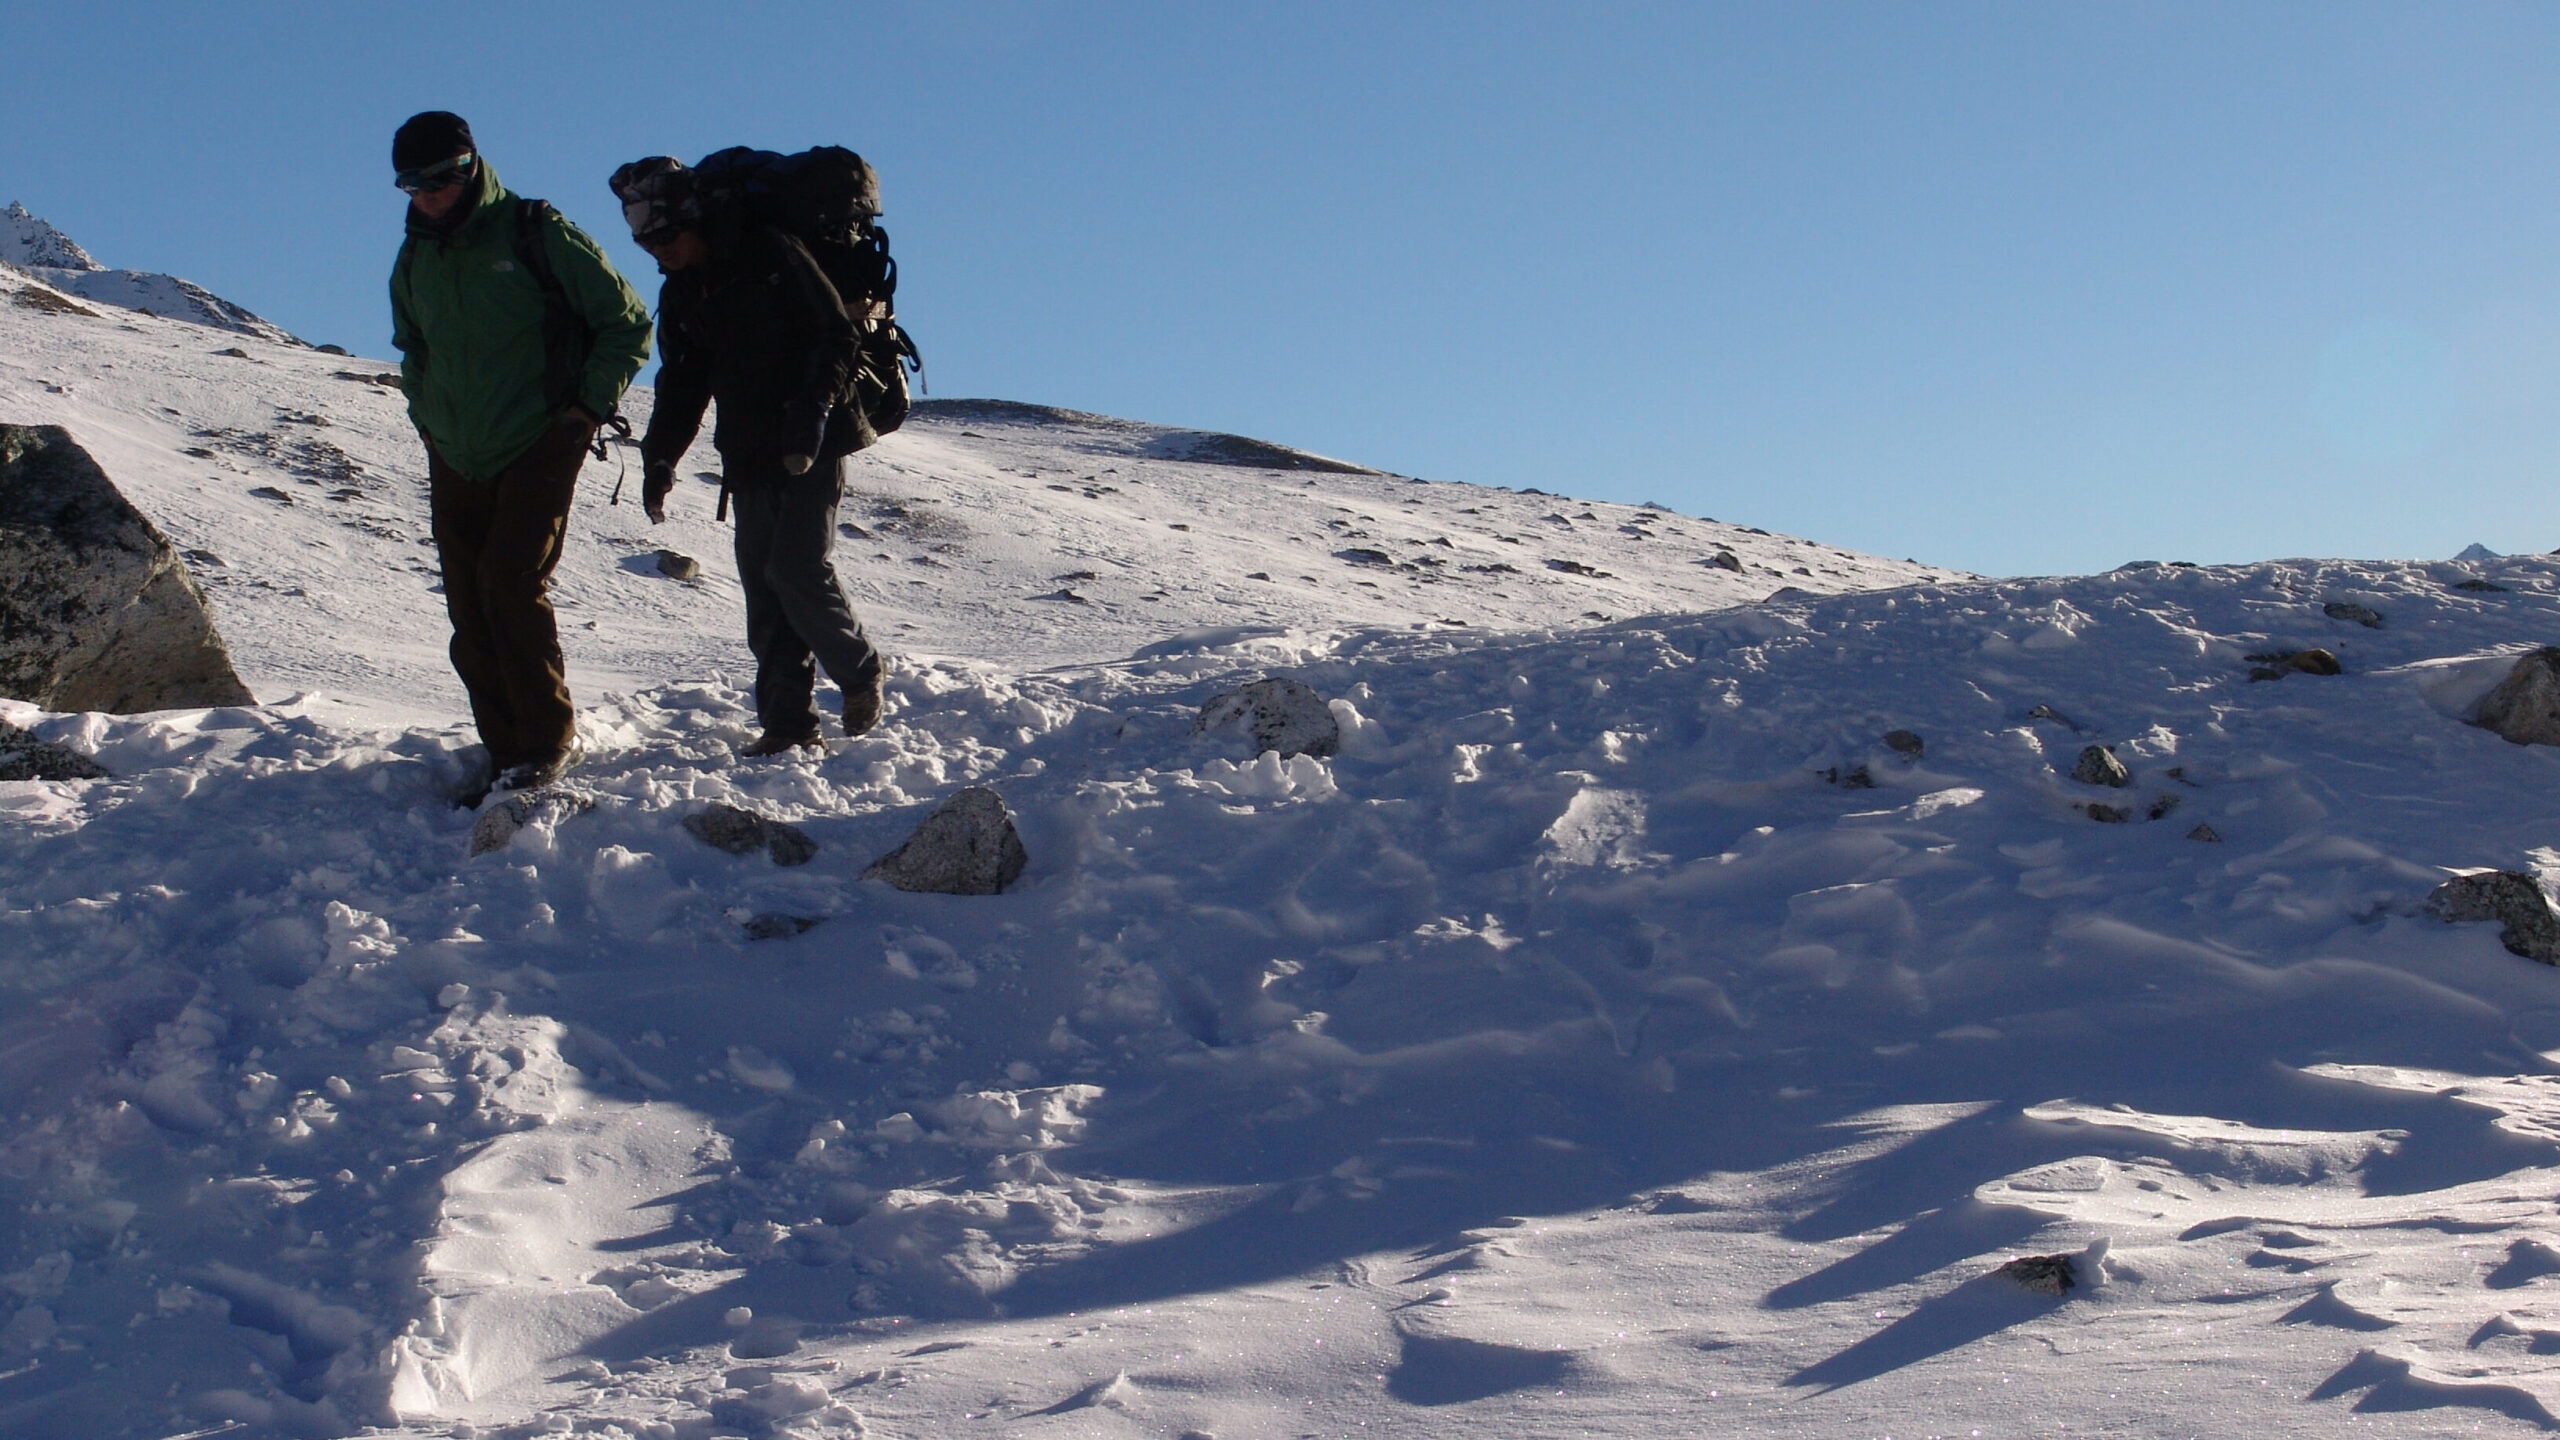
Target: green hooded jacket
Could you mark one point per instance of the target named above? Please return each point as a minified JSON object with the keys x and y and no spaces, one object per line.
{"x":468,"y":320}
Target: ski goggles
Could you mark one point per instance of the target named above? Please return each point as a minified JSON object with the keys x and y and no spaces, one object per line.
{"x":437,"y":176}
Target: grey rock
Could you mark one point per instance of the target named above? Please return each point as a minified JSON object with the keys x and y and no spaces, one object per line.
{"x":2525,"y":708}
{"x":677,"y":566}
{"x":24,"y":757}
{"x":97,"y":612}
{"x":2512,"y":898}
{"x":2108,"y":814}
{"x":744,"y":832}
{"x":545,"y":808}
{"x":1724,"y":560}
{"x":2047,"y":712}
{"x":2364,"y":615}
{"x":2098,"y":765}
{"x":2161,"y":805}
{"x":1855,"y":777}
{"x":2479,"y":586}
{"x":781,"y":927}
{"x":967,"y":847}
{"x":2205,"y":833}
{"x":1905,"y":744}
{"x":1281,"y":714}
{"x":2042,"y":1274}
{"x":2277,"y":664}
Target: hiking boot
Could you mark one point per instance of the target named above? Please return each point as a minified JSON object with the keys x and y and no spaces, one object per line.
{"x":534,"y":774}
{"x":862,"y":707}
{"x":770,"y":744}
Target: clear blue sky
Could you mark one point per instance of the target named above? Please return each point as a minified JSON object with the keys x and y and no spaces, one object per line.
{"x":2018,"y":288}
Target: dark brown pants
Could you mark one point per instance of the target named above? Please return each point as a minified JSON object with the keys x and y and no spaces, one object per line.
{"x":499,"y":541}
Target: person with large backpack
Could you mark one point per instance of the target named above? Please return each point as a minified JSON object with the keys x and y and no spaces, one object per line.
{"x":517,"y":338}
{"x":750,"y":318}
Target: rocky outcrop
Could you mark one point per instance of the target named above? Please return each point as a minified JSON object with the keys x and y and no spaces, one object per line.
{"x":1281,"y":714}
{"x":2525,"y":708}
{"x":96,"y":612}
{"x":967,"y":847}
{"x":2512,"y":898}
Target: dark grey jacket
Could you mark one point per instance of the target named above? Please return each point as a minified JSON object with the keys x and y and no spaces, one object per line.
{"x":758,"y":328}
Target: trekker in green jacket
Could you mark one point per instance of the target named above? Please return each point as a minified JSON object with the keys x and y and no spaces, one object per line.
{"x":516,"y":339}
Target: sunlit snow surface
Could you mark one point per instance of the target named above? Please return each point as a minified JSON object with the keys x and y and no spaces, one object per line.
{"x":1582,"y":1050}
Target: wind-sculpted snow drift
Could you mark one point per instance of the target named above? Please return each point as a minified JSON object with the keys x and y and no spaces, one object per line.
{"x":1615,"y":1034}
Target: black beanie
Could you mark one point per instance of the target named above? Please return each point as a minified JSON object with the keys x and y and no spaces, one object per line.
{"x":428,"y":137}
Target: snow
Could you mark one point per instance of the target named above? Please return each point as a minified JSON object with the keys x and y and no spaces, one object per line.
{"x":1615,"y":1036}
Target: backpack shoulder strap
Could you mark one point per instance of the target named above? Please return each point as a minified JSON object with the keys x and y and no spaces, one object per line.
{"x":567,"y":334}
{"x":532,"y":254}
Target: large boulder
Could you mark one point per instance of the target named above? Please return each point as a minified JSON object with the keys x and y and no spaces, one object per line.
{"x":96,"y":612}
{"x":2525,"y":708}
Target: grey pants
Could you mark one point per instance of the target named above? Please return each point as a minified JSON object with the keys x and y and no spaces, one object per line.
{"x":797,"y":614}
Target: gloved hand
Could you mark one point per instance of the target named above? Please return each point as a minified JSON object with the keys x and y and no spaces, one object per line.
{"x":657,"y":481}
{"x":796,"y":464}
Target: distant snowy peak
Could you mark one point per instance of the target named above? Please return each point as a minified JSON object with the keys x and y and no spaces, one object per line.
{"x":30,"y":244}
{"x":2477,"y":551}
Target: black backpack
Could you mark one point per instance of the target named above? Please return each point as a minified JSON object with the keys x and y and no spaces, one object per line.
{"x":828,"y":199}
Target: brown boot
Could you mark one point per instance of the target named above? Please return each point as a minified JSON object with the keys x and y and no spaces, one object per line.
{"x":770,"y":744}
{"x":862,"y":707}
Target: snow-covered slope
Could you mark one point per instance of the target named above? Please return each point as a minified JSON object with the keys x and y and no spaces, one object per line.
{"x":31,"y":245}
{"x":1006,"y":533}
{"x":1619,"y":1036}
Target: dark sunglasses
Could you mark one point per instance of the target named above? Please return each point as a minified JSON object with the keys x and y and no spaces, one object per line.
{"x":438,"y":175}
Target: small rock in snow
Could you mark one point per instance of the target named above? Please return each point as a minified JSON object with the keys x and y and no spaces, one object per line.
{"x":499,"y":823}
{"x":969,"y":846}
{"x":2512,"y":898}
{"x":24,"y":757}
{"x":743,"y":832}
{"x":678,"y":566}
{"x":2206,"y":833}
{"x":2275,"y":665}
{"x":2042,"y":1274}
{"x":2047,"y":712}
{"x":2108,"y":814}
{"x":2364,"y":615}
{"x":452,"y":995}
{"x":2480,"y":586}
{"x":2098,"y":765}
{"x":2161,"y":806}
{"x":1905,"y":744}
{"x":2525,"y":708}
{"x":1283,"y":715}
{"x":781,"y":927}
{"x":1724,"y":560}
